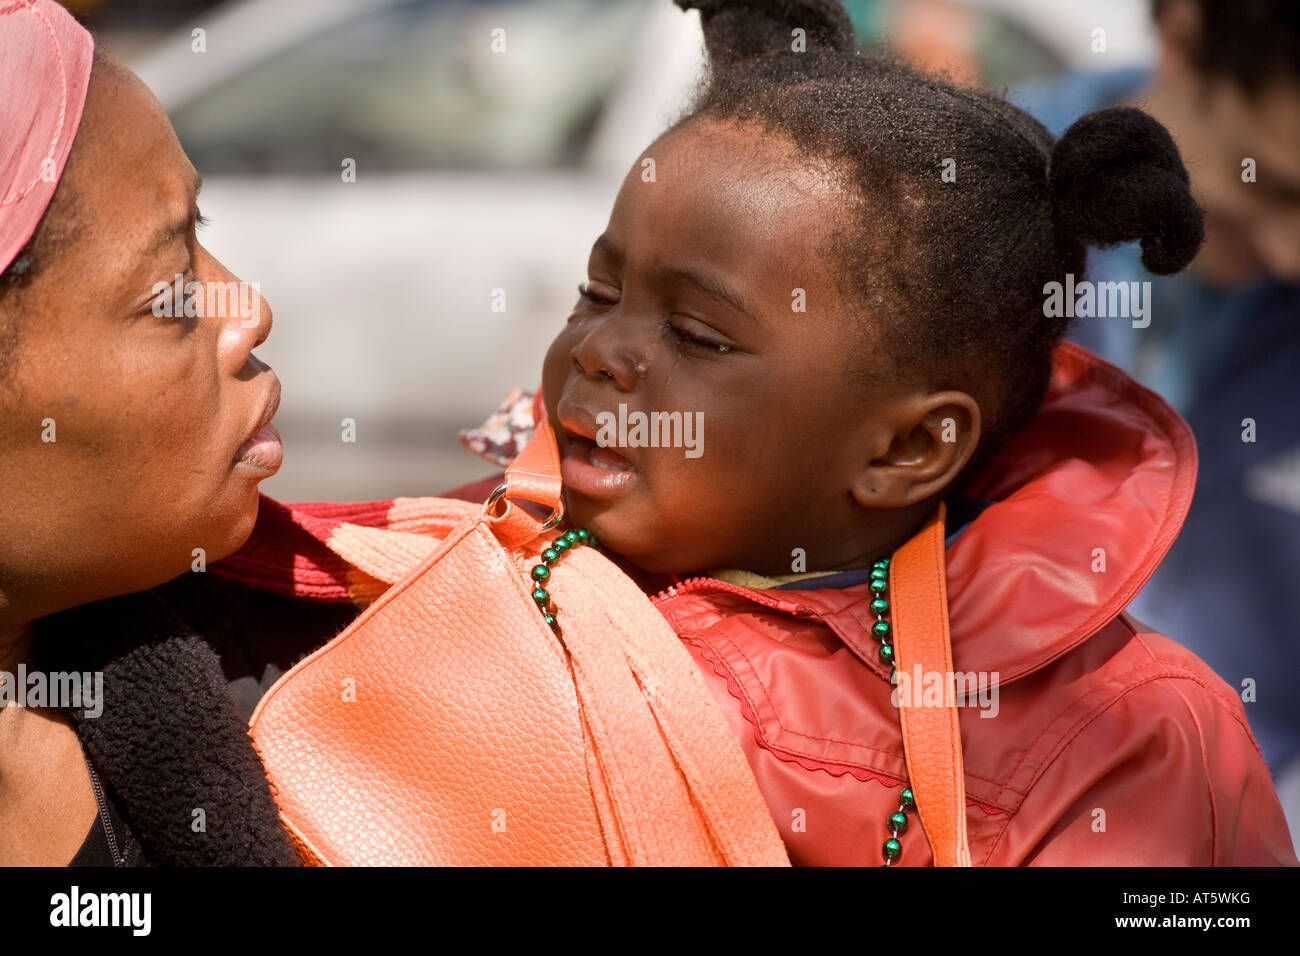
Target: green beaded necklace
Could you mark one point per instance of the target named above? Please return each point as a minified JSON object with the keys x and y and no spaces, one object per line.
{"x":541,"y":573}
{"x":881,"y":631}
{"x":897,"y":821}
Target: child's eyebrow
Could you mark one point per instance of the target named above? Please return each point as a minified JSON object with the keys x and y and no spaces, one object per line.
{"x":708,"y":283}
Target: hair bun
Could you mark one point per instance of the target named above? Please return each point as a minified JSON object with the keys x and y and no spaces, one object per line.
{"x":1116,"y":176}
{"x":740,"y":29}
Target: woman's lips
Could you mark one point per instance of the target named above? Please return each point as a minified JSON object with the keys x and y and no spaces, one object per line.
{"x":596,"y":472}
{"x":262,"y":452}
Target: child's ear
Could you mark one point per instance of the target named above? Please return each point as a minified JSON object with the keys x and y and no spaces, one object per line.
{"x":927,"y":441}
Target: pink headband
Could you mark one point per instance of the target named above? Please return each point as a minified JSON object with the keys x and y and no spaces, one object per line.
{"x":45,"y":60}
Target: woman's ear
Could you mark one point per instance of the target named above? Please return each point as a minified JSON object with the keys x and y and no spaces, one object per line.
{"x":926,"y":440}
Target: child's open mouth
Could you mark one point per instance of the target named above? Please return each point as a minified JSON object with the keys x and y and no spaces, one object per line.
{"x":592,"y":470}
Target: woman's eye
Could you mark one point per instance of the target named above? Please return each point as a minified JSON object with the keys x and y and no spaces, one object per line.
{"x":590,"y":297}
{"x":193,"y":293}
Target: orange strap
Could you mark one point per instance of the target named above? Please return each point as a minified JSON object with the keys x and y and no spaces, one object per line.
{"x":931,"y":735}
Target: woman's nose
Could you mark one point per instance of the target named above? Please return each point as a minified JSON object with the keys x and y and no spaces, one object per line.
{"x":258,"y":317}
{"x":246,"y":322}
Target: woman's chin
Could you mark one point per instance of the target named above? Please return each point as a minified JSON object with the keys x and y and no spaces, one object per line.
{"x":222,"y":537}
{"x":241,"y":529}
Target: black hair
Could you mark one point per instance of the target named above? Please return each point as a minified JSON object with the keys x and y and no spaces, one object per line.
{"x":951,"y":273}
{"x":58,"y":226}
{"x":1252,"y":43}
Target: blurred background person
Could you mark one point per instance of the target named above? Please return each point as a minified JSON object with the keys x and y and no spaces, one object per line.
{"x":1223,"y":343}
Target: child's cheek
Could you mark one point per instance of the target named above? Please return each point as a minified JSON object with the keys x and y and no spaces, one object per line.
{"x":554,"y":367}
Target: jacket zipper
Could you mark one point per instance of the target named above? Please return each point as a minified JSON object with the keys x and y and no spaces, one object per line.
{"x":104,"y":818}
{"x":707,"y":583}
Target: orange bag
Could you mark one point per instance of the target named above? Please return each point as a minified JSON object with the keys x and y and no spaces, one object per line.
{"x":450,"y":725}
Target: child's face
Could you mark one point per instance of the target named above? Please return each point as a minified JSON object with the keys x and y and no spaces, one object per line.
{"x":777,"y":441}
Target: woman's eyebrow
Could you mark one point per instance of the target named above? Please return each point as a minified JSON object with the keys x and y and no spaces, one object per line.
{"x":180,"y":227}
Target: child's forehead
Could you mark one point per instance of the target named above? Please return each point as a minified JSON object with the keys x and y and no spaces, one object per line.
{"x":690,"y":175}
{"x":727,"y":208}
{"x":709,"y":148}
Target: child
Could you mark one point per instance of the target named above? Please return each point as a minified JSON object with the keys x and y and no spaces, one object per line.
{"x":840,"y":269}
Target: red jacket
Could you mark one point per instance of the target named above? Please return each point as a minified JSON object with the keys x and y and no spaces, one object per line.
{"x":1111,"y":744}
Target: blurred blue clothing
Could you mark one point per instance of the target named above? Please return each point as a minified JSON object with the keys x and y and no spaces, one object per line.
{"x":1230,"y":587}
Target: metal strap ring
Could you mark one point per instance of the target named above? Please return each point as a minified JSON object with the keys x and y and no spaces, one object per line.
{"x":557,"y":513}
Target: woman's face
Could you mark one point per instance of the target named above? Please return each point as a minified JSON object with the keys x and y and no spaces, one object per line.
{"x":125,"y":435}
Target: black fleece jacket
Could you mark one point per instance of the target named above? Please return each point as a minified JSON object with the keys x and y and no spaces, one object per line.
{"x":184,"y":665}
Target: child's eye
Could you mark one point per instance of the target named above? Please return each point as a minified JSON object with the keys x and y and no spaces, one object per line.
{"x":696,"y":341}
{"x":590,"y":297}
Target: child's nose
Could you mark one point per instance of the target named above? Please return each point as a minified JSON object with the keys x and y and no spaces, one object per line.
{"x":606,"y":352}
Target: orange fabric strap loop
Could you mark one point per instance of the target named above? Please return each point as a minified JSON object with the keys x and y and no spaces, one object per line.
{"x":535,"y":473}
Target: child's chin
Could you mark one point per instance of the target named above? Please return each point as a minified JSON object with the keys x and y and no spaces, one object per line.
{"x":623,"y":534}
{"x":613,"y":533}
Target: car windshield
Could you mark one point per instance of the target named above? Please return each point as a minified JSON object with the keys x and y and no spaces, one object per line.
{"x":420,"y":84}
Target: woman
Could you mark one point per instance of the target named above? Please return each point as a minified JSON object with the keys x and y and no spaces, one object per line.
{"x":132,"y":441}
